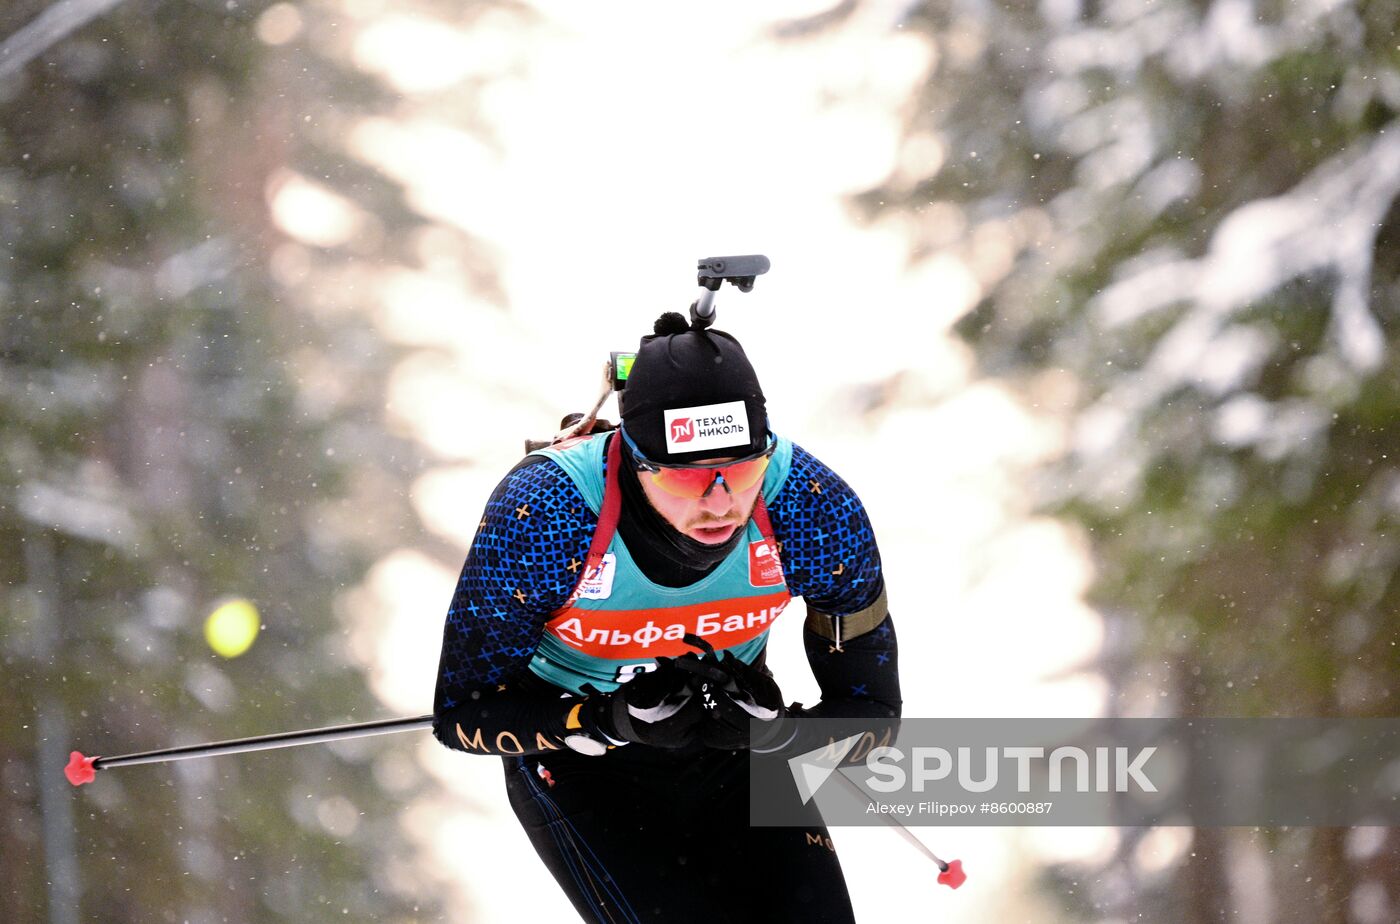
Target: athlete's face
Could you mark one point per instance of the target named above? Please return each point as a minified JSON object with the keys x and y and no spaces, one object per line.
{"x":711,"y":519}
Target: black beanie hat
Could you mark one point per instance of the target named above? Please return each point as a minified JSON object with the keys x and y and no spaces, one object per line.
{"x":692,"y":394}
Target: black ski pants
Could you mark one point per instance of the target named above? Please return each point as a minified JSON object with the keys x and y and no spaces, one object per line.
{"x":642,"y":834}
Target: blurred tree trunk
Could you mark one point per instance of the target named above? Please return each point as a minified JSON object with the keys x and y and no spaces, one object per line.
{"x":1193,"y":209}
{"x":160,"y":430}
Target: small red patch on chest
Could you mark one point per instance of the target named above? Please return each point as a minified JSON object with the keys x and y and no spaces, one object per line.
{"x":764,"y":566}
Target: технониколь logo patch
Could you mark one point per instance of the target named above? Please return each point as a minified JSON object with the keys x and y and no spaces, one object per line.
{"x":709,"y":426}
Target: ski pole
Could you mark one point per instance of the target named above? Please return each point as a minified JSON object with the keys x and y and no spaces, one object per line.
{"x":950,"y":871}
{"x":82,"y":769}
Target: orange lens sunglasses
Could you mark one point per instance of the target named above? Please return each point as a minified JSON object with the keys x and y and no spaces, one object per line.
{"x":696,"y":480}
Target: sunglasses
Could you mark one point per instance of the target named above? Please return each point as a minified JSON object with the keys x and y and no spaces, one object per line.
{"x":693,"y":481}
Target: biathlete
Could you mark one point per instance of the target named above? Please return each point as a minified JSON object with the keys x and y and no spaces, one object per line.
{"x":608,"y":632}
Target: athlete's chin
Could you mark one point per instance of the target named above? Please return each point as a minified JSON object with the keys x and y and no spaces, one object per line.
{"x":712,"y":535}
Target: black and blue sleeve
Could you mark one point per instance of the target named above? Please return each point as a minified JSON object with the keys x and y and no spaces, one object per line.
{"x":832,"y":561}
{"x":517,"y":572}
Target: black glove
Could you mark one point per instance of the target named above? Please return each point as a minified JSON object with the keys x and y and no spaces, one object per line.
{"x":736,"y":694}
{"x":659,"y":708}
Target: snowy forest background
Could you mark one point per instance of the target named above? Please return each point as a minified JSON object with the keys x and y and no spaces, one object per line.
{"x":1166,"y":230}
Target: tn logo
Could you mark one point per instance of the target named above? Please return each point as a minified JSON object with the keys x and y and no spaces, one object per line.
{"x":682,"y":430}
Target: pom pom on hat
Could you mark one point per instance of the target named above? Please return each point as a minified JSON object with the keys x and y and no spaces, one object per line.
{"x":672,"y":322}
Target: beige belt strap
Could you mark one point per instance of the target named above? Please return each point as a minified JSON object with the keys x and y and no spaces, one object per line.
{"x":840,"y":628}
